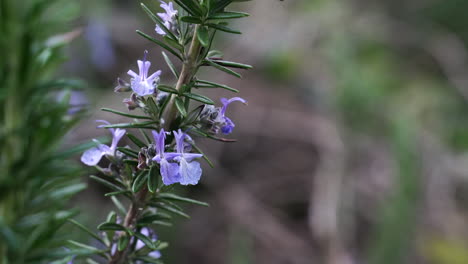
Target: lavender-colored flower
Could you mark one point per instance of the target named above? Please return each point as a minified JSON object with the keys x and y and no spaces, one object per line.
{"x":213,"y":119}
{"x":169,"y":171}
{"x":168,"y":18}
{"x":141,"y":84}
{"x":139,"y":245}
{"x":92,"y":156}
{"x":189,"y":170}
{"x":228,"y":125}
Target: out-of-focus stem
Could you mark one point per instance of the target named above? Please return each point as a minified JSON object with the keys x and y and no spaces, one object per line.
{"x":130,"y":219}
{"x":188,"y":71}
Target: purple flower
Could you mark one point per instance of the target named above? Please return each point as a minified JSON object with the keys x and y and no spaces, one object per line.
{"x":141,"y":84}
{"x":190,"y":171}
{"x":92,"y":156}
{"x":139,"y":245}
{"x":169,"y":171}
{"x":167,"y":18}
{"x":228,"y":125}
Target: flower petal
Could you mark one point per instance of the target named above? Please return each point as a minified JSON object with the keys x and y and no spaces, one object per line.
{"x":92,"y":156}
{"x":169,"y":172}
{"x":190,"y":172}
{"x":226,"y":102}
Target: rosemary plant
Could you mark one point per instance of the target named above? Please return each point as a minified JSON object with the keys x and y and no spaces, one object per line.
{"x":36,"y":180}
{"x":170,"y":117}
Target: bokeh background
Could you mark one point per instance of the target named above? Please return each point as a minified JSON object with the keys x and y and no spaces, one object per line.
{"x":352,"y":149}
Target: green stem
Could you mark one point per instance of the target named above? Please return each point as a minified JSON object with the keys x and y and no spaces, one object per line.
{"x":188,"y":71}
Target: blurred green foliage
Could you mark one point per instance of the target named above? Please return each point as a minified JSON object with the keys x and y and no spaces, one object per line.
{"x":36,"y":181}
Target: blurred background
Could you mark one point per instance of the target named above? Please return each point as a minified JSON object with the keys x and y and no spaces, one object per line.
{"x":353,"y":148}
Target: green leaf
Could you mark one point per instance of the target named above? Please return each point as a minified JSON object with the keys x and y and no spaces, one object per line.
{"x":146,"y":240}
{"x":233,"y":64}
{"x":170,"y":65}
{"x":124,"y":114}
{"x":152,"y":107}
{"x":216,"y":85}
{"x":87,"y":230}
{"x":190,"y":6}
{"x":161,"y":44}
{"x":200,"y":98}
{"x":123,"y":242}
{"x":169,"y":208}
{"x":149,"y":219}
{"x":191,"y":19}
{"x":228,"y":15}
{"x":153,"y":178}
{"x":86,"y":247}
{"x":174,"y":44}
{"x":223,"y":28}
{"x":204,"y":155}
{"x":128,"y":152}
{"x":203,"y":36}
{"x":111,"y":227}
{"x":192,"y":116}
{"x":167,"y":89}
{"x":136,"y":140}
{"x":222,"y":68}
{"x":133,"y":125}
{"x":139,"y":181}
{"x":119,"y":205}
{"x":159,"y":22}
{"x":107,"y":183}
{"x":180,"y":106}
{"x":68,"y":191}
{"x":125,"y":192}
{"x":174,"y":197}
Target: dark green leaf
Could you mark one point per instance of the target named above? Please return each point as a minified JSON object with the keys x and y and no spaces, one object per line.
{"x":204,"y":155}
{"x":153,"y":178}
{"x":191,"y":19}
{"x":223,"y":28}
{"x":123,"y":242}
{"x":233,"y":64}
{"x":190,"y":6}
{"x":216,"y":85}
{"x":152,"y":107}
{"x":119,"y":205}
{"x":222,"y":68}
{"x":111,"y":227}
{"x":170,"y":65}
{"x":180,"y":106}
{"x":139,"y":181}
{"x":169,"y":208}
{"x":107,"y":183}
{"x":161,"y":44}
{"x":228,"y":15}
{"x":146,"y":240}
{"x":124,"y":114}
{"x":203,"y":36}
{"x":85,"y":247}
{"x":192,"y":116}
{"x":167,"y":89}
{"x":132,"y":125}
{"x":200,"y":98}
{"x":125,"y":192}
{"x":136,"y":140}
{"x":148,"y":259}
{"x":128,"y":152}
{"x":86,"y":230}
{"x":174,"y":44}
{"x":174,"y":197}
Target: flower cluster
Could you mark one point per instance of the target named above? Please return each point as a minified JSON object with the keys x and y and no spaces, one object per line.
{"x":168,"y":18}
{"x":143,"y":173}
